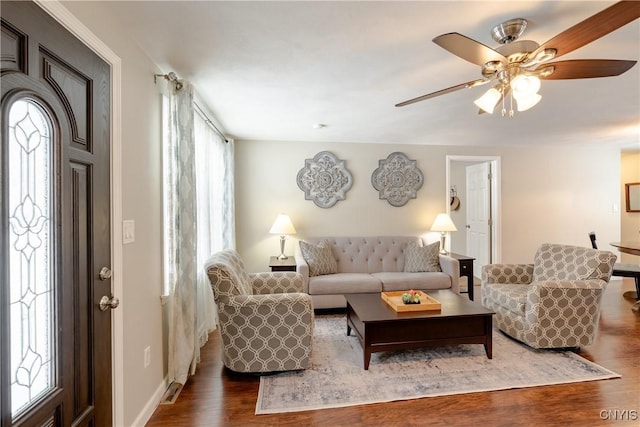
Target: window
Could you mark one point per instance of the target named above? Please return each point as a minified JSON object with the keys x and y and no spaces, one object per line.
{"x":31,"y":255}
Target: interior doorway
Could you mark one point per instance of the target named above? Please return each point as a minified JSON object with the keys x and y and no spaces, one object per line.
{"x":475,"y":183}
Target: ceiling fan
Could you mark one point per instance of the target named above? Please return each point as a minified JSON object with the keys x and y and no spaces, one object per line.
{"x":516,"y":67}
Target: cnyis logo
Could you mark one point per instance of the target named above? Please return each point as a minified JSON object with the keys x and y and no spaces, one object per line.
{"x":619,"y":414}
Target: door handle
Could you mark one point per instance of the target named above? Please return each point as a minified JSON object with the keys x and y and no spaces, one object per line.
{"x":468,"y":226}
{"x":107,"y":303}
{"x":105,"y":273}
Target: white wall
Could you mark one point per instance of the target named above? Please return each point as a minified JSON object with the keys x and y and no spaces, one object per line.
{"x":629,"y":221}
{"x":141,"y":201}
{"x":549,"y":194}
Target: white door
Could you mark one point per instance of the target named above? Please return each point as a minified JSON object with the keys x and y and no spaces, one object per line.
{"x":479,"y":214}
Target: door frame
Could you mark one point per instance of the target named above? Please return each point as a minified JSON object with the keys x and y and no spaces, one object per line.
{"x":58,"y":12}
{"x":496,"y":197}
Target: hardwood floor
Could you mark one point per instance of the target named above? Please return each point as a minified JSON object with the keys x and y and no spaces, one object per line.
{"x":216,"y":397}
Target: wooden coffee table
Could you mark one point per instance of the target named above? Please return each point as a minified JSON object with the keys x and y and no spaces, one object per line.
{"x":380,"y":328}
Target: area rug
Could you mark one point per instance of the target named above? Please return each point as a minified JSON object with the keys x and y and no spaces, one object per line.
{"x":337,"y":378}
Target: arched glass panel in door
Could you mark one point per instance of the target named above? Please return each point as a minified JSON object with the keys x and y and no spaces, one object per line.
{"x":31,"y":254}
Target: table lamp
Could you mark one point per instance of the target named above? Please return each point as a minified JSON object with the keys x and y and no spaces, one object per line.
{"x":443,"y":224}
{"x":282,"y":226}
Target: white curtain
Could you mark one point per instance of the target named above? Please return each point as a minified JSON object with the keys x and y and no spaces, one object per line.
{"x":215,"y":213}
{"x":198,"y":220}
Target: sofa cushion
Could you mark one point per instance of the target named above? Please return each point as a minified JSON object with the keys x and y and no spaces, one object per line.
{"x":344,"y":283}
{"x":509,"y":296}
{"x":405,"y":281}
{"x":319,"y":258}
{"x":422,"y":258}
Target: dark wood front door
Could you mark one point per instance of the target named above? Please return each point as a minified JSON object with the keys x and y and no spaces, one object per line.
{"x":55,"y":341}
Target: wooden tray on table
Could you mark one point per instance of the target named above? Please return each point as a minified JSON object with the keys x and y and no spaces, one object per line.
{"x":394,"y":300}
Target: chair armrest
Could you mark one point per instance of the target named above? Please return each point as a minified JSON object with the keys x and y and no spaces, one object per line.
{"x":270,"y":310}
{"x":275,"y":282}
{"x":451,"y":266}
{"x":520,"y":274}
{"x":560,"y":299}
{"x":303,"y":268}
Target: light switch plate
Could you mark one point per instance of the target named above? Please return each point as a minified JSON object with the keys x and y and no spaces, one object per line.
{"x":128,"y":231}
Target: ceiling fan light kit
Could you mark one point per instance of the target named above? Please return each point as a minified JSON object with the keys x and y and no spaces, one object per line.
{"x":517,"y":66}
{"x":489,"y":100}
{"x":525,"y":84}
{"x":527,"y":101}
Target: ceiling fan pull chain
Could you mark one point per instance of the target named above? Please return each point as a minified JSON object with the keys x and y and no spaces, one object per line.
{"x":510,"y":103}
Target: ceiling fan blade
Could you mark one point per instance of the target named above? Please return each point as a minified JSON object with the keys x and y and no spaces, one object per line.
{"x":468,"y":49}
{"x":466,"y":85}
{"x":587,"y":68}
{"x":592,"y":28}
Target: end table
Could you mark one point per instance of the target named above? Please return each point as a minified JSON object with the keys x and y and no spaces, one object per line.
{"x":288,"y":264}
{"x":466,"y":269}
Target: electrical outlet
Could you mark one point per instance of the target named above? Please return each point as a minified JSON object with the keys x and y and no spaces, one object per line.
{"x":147,"y":357}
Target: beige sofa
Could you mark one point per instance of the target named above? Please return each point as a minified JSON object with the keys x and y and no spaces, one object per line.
{"x":372,"y":264}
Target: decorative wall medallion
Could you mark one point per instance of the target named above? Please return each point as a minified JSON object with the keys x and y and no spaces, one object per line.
{"x":397,"y":179}
{"x":324,"y":179}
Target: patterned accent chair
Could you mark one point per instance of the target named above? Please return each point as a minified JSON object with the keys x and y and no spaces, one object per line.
{"x":266,"y":322}
{"x":552,"y":303}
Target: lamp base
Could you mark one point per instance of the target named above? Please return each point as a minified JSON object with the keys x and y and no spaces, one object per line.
{"x":282,"y":240}
{"x":443,"y":251}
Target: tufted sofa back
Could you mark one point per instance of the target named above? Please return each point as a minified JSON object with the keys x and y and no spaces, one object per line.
{"x":368,"y":254}
{"x":564,"y":262}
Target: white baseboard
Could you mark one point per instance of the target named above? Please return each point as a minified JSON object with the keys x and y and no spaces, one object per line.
{"x":151,"y":405}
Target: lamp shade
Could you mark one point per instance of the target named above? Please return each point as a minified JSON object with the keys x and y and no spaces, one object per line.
{"x":524,"y":84}
{"x":282,"y":226}
{"x":528,"y":101}
{"x":489,"y":100}
{"x":443,"y":223}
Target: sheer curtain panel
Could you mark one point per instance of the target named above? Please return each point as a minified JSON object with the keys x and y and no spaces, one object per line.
{"x":215,"y":213}
{"x":199,"y":220}
{"x":181,"y":230}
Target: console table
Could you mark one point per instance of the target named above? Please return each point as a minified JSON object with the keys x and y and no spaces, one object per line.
{"x":288,"y":264}
{"x":466,"y":269}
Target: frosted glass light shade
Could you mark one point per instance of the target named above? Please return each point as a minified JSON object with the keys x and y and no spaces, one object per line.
{"x":526,"y":102}
{"x":282,"y":226}
{"x":443,"y":223}
{"x":524,"y":84}
{"x":489,"y":100}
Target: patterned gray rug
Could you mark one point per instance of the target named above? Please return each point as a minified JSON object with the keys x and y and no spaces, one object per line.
{"x":337,"y":377}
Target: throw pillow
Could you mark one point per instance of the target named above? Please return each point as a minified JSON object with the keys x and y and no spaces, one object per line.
{"x":319,"y":258}
{"x":422,"y":258}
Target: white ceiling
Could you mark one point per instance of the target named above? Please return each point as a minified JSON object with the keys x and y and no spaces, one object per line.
{"x":271,"y":70}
